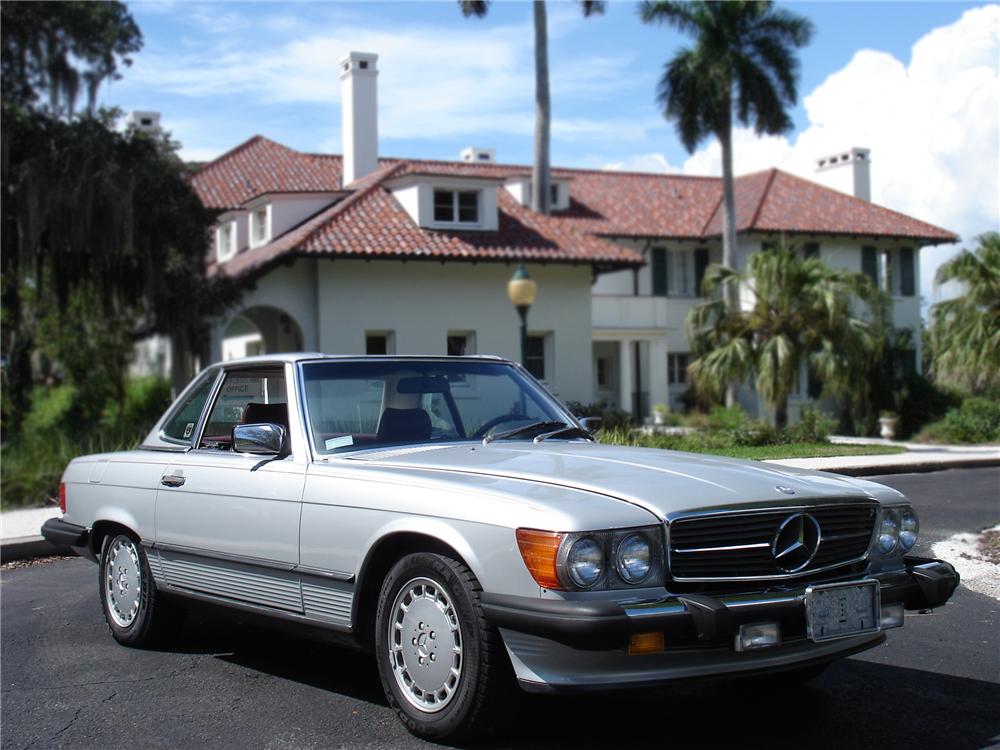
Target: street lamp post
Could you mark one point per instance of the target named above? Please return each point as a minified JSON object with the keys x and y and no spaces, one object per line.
{"x":522,"y":290}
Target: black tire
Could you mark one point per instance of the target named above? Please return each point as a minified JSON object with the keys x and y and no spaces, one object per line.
{"x":154,"y":616}
{"x":484,"y":686}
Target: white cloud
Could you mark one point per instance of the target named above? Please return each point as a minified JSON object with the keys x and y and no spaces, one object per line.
{"x":933,"y":128}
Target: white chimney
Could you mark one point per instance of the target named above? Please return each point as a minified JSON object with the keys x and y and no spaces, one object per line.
{"x":848,"y":171}
{"x":359,"y":114}
{"x":148,"y":122}
{"x":481,"y":155}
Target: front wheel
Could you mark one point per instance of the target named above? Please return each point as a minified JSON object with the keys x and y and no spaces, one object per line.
{"x":137,"y":615}
{"x":444,"y":669}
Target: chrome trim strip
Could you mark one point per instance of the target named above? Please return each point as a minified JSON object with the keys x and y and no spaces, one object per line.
{"x":730,"y":548}
{"x":767,"y":506}
{"x":305,"y":570}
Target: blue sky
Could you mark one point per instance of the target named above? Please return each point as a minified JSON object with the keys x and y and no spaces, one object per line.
{"x":916,"y":82}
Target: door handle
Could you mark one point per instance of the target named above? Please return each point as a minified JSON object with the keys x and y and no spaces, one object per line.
{"x":172,"y":480}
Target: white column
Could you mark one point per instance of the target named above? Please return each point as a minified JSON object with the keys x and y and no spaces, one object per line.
{"x":659,"y":391}
{"x":626,"y":378}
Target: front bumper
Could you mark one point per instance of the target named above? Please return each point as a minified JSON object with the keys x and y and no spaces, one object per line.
{"x":550,"y":641}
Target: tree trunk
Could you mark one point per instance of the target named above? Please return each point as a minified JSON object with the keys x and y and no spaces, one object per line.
{"x":731,"y":290}
{"x":540,"y":197}
{"x":781,"y":411}
{"x":180,"y":359}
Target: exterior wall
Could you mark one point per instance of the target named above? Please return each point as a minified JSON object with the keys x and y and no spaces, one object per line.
{"x":288,"y":211}
{"x":416,"y":196}
{"x":422,"y":302}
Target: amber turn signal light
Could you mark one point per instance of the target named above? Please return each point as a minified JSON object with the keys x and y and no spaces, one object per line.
{"x":539,"y":550}
{"x":646,"y":643}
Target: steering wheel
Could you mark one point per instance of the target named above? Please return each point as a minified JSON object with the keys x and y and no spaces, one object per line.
{"x":490,"y":424}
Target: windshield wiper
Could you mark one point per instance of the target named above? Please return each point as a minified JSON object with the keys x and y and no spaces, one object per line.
{"x":544,"y":424}
{"x":567,"y":430}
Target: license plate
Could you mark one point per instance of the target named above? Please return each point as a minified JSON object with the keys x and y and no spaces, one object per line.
{"x":838,"y":610}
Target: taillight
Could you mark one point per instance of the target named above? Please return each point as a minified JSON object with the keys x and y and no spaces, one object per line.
{"x":62,"y":497}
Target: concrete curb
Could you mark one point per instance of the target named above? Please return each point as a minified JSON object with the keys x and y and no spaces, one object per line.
{"x":30,"y":547}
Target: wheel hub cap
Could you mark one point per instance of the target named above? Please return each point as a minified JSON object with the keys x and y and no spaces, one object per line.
{"x":425,"y":645}
{"x":123,"y":581}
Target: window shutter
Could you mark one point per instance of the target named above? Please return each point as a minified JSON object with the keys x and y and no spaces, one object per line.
{"x":906,"y":277}
{"x":810,"y":250}
{"x":700,"y":264}
{"x":869,"y":263}
{"x":659,"y":271}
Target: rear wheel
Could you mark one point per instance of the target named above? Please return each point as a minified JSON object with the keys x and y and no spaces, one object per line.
{"x":443,"y":667}
{"x":136,"y":613}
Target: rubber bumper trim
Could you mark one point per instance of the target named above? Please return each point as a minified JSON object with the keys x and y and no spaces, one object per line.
{"x":58,"y":531}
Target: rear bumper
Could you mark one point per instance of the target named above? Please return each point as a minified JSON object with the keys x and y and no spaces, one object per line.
{"x":58,"y":531}
{"x":699,"y":631}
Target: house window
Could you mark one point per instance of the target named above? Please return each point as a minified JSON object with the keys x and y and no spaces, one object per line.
{"x":534,"y":360}
{"x":225,"y":241}
{"x":379,"y":342}
{"x":810,"y":250}
{"x":461,"y":344}
{"x":603,"y":372}
{"x":677,"y":368}
{"x":890,"y":270}
{"x":259,"y":230}
{"x":456,"y":206}
{"x":678,"y":273}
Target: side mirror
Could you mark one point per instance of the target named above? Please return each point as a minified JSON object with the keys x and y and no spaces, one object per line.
{"x":259,"y":439}
{"x":589,"y":423}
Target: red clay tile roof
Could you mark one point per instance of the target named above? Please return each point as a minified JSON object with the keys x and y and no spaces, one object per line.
{"x":370,"y":223}
{"x":259,"y":166}
{"x":775,"y":201}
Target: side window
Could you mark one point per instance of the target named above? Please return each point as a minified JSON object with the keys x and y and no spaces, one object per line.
{"x":246,"y":397}
{"x":180,"y":427}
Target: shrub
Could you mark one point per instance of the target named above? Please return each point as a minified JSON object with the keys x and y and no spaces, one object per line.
{"x":977,"y":420}
{"x":920,"y":402}
{"x":813,"y":427}
{"x":612,"y":418}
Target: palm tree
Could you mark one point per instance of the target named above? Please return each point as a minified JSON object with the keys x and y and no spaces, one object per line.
{"x":540,"y":192}
{"x":965,"y":330}
{"x":743,"y":63}
{"x":800,"y":312}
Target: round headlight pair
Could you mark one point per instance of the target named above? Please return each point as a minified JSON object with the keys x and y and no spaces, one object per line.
{"x":898,"y":529}
{"x":585,"y":560}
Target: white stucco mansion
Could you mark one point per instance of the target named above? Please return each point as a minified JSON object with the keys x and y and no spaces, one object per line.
{"x":362,"y":253}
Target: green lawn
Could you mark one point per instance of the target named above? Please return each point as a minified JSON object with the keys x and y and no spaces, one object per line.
{"x":801,"y":450}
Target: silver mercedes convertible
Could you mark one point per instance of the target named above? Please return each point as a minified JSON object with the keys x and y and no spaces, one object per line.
{"x":450,"y":515}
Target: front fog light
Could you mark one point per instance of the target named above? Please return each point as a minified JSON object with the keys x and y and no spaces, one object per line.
{"x":761,"y":635}
{"x":909,"y":528}
{"x":585,"y":562}
{"x":634,"y":558}
{"x":888,"y":533}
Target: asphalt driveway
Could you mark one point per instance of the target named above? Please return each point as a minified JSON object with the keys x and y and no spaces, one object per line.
{"x":222,"y":683}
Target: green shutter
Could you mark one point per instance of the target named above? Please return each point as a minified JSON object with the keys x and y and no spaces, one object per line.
{"x":659,"y":271}
{"x":869,"y":263}
{"x":700,"y":264}
{"x":907,"y":280}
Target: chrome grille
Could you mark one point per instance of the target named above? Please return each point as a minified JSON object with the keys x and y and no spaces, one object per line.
{"x":738,"y":545}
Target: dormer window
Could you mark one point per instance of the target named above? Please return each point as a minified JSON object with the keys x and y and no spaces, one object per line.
{"x":260,"y":226}
{"x":225,"y":241}
{"x":456,"y":206}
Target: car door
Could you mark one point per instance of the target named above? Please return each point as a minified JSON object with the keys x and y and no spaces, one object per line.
{"x":227,"y":524}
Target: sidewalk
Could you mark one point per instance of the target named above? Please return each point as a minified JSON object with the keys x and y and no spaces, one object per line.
{"x":19,"y":533}
{"x":919,"y":457}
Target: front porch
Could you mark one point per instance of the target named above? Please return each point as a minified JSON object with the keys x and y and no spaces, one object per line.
{"x":630,"y":369}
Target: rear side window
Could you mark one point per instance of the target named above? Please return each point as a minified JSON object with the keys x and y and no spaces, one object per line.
{"x":180,"y":427}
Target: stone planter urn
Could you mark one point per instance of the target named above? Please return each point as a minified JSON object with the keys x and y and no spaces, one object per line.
{"x":659,"y":415}
{"x":887,"y":424}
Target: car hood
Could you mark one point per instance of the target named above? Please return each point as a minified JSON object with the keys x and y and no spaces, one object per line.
{"x":663,"y":482}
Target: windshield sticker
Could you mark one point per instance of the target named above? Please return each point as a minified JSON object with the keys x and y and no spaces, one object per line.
{"x":339,"y":442}
{"x":188,"y":429}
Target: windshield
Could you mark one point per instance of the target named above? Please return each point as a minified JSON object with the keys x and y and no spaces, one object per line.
{"x":375,"y":403}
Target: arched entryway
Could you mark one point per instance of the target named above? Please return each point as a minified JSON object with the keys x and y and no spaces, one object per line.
{"x":260,"y":330}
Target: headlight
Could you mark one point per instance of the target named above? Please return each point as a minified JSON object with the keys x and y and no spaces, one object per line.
{"x":585,"y":562}
{"x":909,"y":528}
{"x":634,"y":559}
{"x":598,"y":560}
{"x":888,"y":532}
